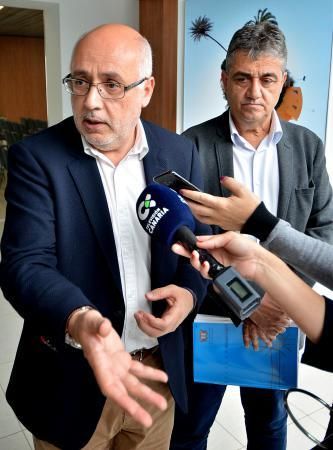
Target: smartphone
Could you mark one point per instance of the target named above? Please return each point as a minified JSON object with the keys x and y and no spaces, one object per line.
{"x":174,"y":181}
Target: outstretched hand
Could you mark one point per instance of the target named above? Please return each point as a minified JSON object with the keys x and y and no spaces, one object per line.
{"x":230,"y":213}
{"x":117,"y":375}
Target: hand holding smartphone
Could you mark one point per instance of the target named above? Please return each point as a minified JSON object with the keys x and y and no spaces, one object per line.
{"x":174,"y":181}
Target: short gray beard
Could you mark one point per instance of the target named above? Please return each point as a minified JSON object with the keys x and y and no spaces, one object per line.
{"x":111,"y":144}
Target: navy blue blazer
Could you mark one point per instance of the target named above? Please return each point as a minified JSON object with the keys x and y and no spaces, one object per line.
{"x":58,"y":253}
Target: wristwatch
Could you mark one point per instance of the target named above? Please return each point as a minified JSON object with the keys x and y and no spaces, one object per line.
{"x":72,"y":342}
{"x":69,"y":340}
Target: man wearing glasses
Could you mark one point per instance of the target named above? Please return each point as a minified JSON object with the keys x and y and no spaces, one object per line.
{"x":97,"y":297}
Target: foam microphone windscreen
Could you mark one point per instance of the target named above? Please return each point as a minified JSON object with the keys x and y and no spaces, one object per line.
{"x":161,"y":212}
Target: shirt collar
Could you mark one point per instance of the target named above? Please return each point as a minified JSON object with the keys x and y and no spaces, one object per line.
{"x":139,"y":148}
{"x":274,"y":136}
{"x":276,"y":128}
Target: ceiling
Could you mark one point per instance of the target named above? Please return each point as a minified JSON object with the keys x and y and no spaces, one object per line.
{"x":21,"y":22}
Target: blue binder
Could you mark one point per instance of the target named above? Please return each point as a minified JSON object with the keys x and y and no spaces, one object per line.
{"x":221,"y":358}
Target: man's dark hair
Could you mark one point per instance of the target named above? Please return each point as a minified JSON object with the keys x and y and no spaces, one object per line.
{"x":257,"y":39}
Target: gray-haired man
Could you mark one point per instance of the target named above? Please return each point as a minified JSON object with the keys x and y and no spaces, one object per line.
{"x":284,"y":164}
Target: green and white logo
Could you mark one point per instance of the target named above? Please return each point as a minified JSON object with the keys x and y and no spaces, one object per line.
{"x":148,"y":210}
{"x":144,"y":207}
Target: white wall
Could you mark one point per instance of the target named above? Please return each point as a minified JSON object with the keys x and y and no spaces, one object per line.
{"x":65,"y":21}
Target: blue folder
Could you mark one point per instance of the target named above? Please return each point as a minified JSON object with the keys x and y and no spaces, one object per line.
{"x":221,"y":358}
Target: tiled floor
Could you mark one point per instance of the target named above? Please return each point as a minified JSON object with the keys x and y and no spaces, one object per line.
{"x":228,"y":432}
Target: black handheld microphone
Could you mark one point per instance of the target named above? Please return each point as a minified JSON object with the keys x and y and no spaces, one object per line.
{"x":165,"y":216}
{"x":189,"y":241}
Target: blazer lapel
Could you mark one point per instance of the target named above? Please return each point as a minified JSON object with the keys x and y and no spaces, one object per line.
{"x":87,"y":179}
{"x":286,"y":169}
{"x":224,"y":151}
{"x":155,"y":162}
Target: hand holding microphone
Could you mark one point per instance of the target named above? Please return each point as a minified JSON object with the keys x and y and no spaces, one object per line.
{"x":165,"y":216}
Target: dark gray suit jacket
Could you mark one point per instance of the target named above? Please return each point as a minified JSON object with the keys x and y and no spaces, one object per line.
{"x":305,"y":195}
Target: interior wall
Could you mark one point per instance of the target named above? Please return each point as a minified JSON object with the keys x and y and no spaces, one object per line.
{"x":64,"y":22}
{"x":22,"y":78}
{"x":158,"y":23}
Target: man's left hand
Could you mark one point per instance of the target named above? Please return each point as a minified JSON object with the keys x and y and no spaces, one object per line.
{"x":179,"y":305}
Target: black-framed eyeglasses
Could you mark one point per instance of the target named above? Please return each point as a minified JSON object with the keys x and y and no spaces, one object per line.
{"x":108,"y":89}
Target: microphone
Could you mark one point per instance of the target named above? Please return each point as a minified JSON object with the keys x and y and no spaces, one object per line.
{"x":161,"y":212}
{"x":165,"y":216}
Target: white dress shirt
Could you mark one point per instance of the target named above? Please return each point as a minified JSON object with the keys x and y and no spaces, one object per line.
{"x":122,"y":186}
{"x":258,"y":169}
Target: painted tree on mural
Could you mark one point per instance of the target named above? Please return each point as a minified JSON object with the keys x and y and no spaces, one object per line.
{"x":263,"y":15}
{"x":201,"y":27}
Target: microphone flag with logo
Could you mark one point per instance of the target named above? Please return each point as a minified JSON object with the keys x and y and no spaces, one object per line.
{"x":161,"y":212}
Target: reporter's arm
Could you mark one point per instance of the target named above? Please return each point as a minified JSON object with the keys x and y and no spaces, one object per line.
{"x":312,"y":257}
{"x":299,"y":301}
{"x":244,"y":212}
{"x":296,"y":298}
{"x":317,"y":355}
{"x":308,"y":255}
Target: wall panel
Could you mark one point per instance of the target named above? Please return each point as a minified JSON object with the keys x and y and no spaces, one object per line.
{"x":159,"y":23}
{"x":22,"y":78}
